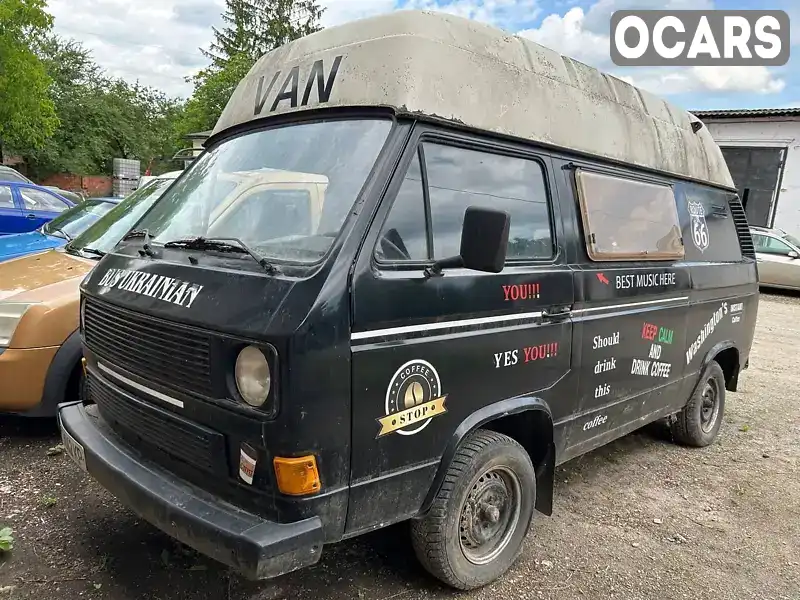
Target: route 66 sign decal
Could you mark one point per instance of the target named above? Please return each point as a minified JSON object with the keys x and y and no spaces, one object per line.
{"x":698,"y":224}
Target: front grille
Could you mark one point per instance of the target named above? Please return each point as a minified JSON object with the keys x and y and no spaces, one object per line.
{"x":171,"y":356}
{"x":149,"y":428}
{"x":742,"y":228}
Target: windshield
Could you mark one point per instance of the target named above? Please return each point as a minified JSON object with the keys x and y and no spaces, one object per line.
{"x":285,"y":192}
{"x":792,"y":240}
{"x":108,"y":231}
{"x":78,"y":219}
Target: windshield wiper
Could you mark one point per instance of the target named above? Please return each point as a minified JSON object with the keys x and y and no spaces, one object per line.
{"x":142,"y":233}
{"x":67,"y":236}
{"x":226,"y":244}
{"x":93,"y":251}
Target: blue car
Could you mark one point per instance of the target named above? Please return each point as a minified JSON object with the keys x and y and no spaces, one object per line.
{"x":26,"y":207}
{"x":57,"y":232}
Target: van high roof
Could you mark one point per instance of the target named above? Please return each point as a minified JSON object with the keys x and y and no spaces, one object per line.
{"x":441,"y":67}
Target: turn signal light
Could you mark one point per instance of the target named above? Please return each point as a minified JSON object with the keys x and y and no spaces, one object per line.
{"x":297,"y":476}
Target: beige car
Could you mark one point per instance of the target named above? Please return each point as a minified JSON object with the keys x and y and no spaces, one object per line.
{"x":778,"y":255}
{"x":40,"y":344}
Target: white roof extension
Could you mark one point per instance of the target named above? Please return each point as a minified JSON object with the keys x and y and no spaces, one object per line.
{"x":440,"y":66}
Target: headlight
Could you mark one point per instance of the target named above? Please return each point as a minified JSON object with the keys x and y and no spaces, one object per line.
{"x":10,"y":315}
{"x":253,"y":376}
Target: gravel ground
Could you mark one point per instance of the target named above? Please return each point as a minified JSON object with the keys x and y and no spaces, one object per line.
{"x":638,"y":519}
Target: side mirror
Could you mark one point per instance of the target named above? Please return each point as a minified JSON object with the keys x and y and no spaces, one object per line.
{"x":484,"y":242}
{"x":792,"y":254}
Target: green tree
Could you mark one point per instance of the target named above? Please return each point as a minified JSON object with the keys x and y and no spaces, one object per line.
{"x":27,"y":114}
{"x":252,"y":28}
{"x":101,"y":117}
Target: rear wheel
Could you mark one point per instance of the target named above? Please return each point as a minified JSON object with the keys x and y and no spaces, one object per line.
{"x":699,"y":422}
{"x":475,"y":529}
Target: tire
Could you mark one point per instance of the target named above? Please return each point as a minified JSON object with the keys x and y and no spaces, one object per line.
{"x":486,"y":466}
{"x":699,"y":422}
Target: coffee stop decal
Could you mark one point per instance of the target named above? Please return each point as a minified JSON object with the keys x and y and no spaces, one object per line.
{"x":413,"y":398}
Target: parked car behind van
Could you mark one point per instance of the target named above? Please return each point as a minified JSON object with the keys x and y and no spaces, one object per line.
{"x":40,"y":349}
{"x":778,"y":256}
{"x":516,"y":259}
{"x":26,"y":207}
{"x":9,"y":174}
{"x":57,"y":232}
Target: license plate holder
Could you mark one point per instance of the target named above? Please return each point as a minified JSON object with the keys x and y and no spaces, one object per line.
{"x":73,"y":448}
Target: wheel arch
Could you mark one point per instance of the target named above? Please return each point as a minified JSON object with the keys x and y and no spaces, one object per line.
{"x":728,"y":356}
{"x":60,"y":376}
{"x":527,"y":420}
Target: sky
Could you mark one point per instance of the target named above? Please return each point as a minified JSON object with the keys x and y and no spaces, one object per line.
{"x":157,"y":42}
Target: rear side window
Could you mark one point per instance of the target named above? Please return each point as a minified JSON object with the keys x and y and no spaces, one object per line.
{"x":710,"y":229}
{"x":6,"y":199}
{"x":625,"y":219}
{"x":426,"y":218}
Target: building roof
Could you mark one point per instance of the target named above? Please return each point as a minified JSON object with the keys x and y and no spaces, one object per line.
{"x":441,"y":67}
{"x":747,"y":112}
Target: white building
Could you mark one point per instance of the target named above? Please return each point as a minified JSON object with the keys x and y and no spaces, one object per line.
{"x":762,"y":149}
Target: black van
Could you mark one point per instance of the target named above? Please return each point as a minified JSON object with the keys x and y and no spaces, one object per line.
{"x":388,"y":292}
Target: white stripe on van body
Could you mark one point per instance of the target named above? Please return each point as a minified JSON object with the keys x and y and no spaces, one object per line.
{"x":480,"y":321}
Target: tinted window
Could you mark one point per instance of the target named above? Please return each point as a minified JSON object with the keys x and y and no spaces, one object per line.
{"x":624,"y":219}
{"x":38,"y":200}
{"x":404,"y":234}
{"x":6,"y":198}
{"x":456,"y":179}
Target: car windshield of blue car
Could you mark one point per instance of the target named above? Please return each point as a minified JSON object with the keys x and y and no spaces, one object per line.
{"x":77,"y":219}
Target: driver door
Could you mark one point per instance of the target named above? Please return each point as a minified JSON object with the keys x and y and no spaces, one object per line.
{"x":428,"y":351}
{"x":778,"y":262}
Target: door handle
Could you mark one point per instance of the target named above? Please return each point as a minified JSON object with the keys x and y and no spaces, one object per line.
{"x":30,"y":216}
{"x":558,"y":313}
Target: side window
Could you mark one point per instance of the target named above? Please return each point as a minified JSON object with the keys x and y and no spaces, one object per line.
{"x":457,"y":178}
{"x":39,"y":200}
{"x":759,"y":241}
{"x":403,"y":237}
{"x":772,"y":245}
{"x":6,"y":197}
{"x":625,"y":219}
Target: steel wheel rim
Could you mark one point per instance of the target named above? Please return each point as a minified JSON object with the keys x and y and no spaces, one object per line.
{"x":709,"y":407}
{"x":490,"y":515}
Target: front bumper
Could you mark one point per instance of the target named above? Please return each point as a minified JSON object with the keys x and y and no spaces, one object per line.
{"x":22,"y":376}
{"x":252,"y":546}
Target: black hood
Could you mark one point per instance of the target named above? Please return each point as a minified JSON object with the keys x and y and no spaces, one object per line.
{"x":224,"y":299}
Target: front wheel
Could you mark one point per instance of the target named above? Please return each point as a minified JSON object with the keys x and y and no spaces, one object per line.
{"x":476,"y":526}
